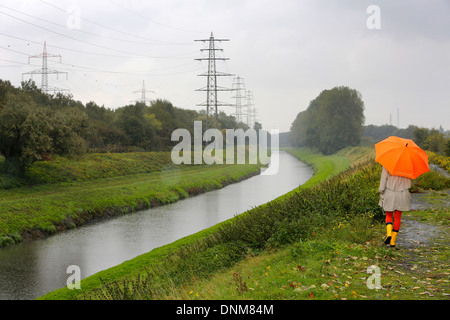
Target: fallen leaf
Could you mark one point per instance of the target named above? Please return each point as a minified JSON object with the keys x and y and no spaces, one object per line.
{"x":311,"y":295}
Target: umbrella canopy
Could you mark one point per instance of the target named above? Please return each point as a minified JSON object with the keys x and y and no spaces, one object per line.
{"x":401,"y":157}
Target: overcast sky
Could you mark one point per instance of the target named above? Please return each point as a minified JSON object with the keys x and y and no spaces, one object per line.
{"x":286,"y":51}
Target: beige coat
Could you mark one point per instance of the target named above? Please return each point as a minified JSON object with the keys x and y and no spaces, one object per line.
{"x":394,"y":193}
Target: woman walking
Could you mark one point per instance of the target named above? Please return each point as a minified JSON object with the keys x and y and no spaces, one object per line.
{"x":394,"y":199}
{"x":402,"y":160}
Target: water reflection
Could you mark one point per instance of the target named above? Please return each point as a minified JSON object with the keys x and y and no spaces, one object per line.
{"x":31,"y":269}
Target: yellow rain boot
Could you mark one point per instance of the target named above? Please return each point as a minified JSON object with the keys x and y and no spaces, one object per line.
{"x":387,"y":240}
{"x":393,"y":238}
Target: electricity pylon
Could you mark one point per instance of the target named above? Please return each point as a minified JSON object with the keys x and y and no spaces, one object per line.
{"x":251,"y":112}
{"x":44,"y":71}
{"x":211,"y":84}
{"x":239,"y":88}
{"x":142,"y":91}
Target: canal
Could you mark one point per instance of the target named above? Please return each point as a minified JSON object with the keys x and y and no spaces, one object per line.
{"x":32,"y":268}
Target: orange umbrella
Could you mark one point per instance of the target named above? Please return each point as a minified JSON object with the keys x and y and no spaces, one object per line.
{"x":401,"y":157}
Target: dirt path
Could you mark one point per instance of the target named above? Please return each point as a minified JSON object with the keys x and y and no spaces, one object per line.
{"x":417,"y":232}
{"x":422,"y":258}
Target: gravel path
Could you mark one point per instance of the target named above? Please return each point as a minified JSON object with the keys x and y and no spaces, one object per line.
{"x":414,"y":233}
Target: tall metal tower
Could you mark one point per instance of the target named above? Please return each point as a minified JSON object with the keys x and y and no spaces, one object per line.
{"x":398,"y":118}
{"x":239,"y":88}
{"x":211,"y":84}
{"x":44,"y":71}
{"x":143,"y":91}
{"x":250,"y":109}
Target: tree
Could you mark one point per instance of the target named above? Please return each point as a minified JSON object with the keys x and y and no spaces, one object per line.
{"x":30,"y":132}
{"x":139,"y":126}
{"x":68,"y":129}
{"x":420,"y":135}
{"x":24,"y":131}
{"x":435,"y":141}
{"x":332,"y":121}
{"x":5,"y":88}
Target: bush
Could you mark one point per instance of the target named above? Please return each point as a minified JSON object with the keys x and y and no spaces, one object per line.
{"x":442,"y":161}
{"x":29,"y":132}
{"x":432,"y":180}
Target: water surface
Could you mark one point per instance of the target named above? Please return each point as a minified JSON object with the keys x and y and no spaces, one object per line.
{"x":31,"y":269}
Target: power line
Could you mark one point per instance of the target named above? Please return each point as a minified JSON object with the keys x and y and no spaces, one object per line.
{"x":151,"y":20}
{"x":89,"y":69}
{"x":251,"y":111}
{"x":212,"y":88}
{"x":154,"y":42}
{"x":79,"y":40}
{"x":239,"y":87}
{"x":44,"y":71}
{"x":113,"y":29}
{"x":143,"y":91}
{"x":180,"y":56}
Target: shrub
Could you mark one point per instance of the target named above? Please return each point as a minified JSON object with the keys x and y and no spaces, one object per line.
{"x":442,"y":161}
{"x":432,"y":180}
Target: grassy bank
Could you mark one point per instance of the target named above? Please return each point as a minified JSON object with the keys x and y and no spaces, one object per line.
{"x":62,"y":193}
{"x":160,"y":260}
{"x":313,"y":243}
{"x":335,"y":265}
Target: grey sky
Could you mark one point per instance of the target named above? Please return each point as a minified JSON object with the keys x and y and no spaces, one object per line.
{"x":287,"y":52}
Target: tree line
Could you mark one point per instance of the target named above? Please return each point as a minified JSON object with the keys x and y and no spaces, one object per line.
{"x":34,"y":125}
{"x":332,"y":121}
{"x":335,"y":119}
{"x":435,"y":140}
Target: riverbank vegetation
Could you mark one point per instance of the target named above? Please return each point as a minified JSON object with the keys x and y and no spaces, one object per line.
{"x":36,"y":126}
{"x":335,"y":120}
{"x":286,"y":220}
{"x":316,"y":242}
{"x":63,"y":163}
{"x":66,"y":193}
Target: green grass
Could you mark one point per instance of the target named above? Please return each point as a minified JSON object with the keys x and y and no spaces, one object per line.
{"x":64,"y":193}
{"x":158,"y":258}
{"x":312,"y":243}
{"x":324,"y":166}
{"x":88,"y":167}
{"x":431,"y":180}
{"x":332,"y":266}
